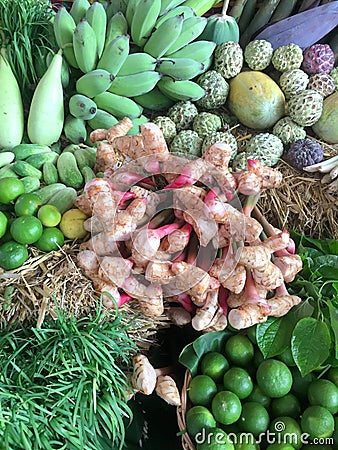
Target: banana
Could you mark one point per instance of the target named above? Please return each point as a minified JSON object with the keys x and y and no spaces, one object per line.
{"x":118,"y":105}
{"x":191,"y":29}
{"x":199,"y":51}
{"x":94,"y":82}
{"x":144,"y":19}
{"x":102,"y":119}
{"x":75,"y":129}
{"x":82,"y":107}
{"x":85,"y":46}
{"x":136,"y":125}
{"x":180,"y":68}
{"x":167,"y":5}
{"x":200,"y":7}
{"x":181,"y":89}
{"x":115,"y":7}
{"x":117,"y":26}
{"x":64,"y":27}
{"x":97,"y":19}
{"x":135,"y":84}
{"x":163,"y":36}
{"x":136,"y":63}
{"x":114,"y":55}
{"x":130,"y":10}
{"x":78,"y":9}
{"x":185,"y":10}
{"x":154,"y":100}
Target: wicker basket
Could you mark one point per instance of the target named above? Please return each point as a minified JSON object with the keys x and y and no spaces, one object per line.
{"x":187,"y":443}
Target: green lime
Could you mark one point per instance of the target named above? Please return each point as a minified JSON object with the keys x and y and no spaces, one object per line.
{"x":280,"y":447}
{"x":213,"y":439}
{"x":286,"y":431}
{"x":51,"y":239}
{"x":332,"y":375}
{"x":335,"y":434}
{"x":7,"y":236}
{"x":49,"y":215}
{"x":251,"y":333}
{"x":258,"y":358}
{"x":3,"y":224}
{"x":10,"y":189}
{"x":254,"y":418}
{"x":239,"y":350}
{"x":317,"y":421}
{"x":26,"y":229}
{"x":201,"y":390}
{"x":27,"y":204}
{"x":258,"y":396}
{"x":199,"y":418}
{"x":323,"y":393}
{"x":226,"y":407}
{"x":274,"y":378}
{"x":245,"y":441}
{"x":322,"y":447}
{"x":214,"y":365}
{"x":12,"y":255}
{"x":285,"y":406}
{"x":286,"y":357}
{"x":300,"y":384}
{"x":238,"y":380}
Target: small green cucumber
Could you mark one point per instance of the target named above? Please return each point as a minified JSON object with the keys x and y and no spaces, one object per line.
{"x":64,"y":199}
{"x":31,"y":184}
{"x":85,"y":157}
{"x":24,"y":169}
{"x":50,"y":173}
{"x":6,"y":158}
{"x":46,"y":192}
{"x":39,"y":159}
{"x":71,"y":148}
{"x":22,"y":151}
{"x":7,"y":171}
{"x":88,"y":173}
{"x":68,"y":170}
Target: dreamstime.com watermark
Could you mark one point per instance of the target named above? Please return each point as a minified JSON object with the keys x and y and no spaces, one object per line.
{"x":280,"y":436}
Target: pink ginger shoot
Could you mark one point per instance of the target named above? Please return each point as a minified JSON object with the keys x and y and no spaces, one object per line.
{"x":251,"y":294}
{"x":223,"y":295}
{"x":185,"y":301}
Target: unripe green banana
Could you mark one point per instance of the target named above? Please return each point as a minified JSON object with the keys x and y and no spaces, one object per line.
{"x":118,"y":105}
{"x":114,"y":55}
{"x":181,"y":89}
{"x":75,"y":129}
{"x":162,"y":38}
{"x":180,"y":68}
{"x":136,"y":125}
{"x":115,"y":7}
{"x":144,"y":19}
{"x":200,"y":7}
{"x":85,"y":46}
{"x":167,"y":5}
{"x":117,"y":26}
{"x":136,"y":63}
{"x":94,"y":82}
{"x":135,"y":84}
{"x":64,"y":27}
{"x":154,"y":100}
{"x":78,"y":9}
{"x":199,"y":51}
{"x":191,"y":29}
{"x":185,"y":10}
{"x":97,"y":19}
{"x":82,"y":107}
{"x":130,"y":10}
{"x":102,"y":119}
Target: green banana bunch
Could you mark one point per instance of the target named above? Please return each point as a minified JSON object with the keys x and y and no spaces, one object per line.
{"x":136,"y":63}
{"x":64,"y":27}
{"x":94,"y":82}
{"x":221,"y":27}
{"x":185,"y":10}
{"x":82,"y":107}
{"x":115,"y":7}
{"x":118,"y":105}
{"x":114,"y":55}
{"x":117,"y":26}
{"x":135,"y":84}
{"x":161,"y":39}
{"x":191,"y":29}
{"x":102,"y":119}
{"x":97,"y":19}
{"x":75,"y":129}
{"x":130,"y":10}
{"x":144,"y":19}
{"x":200,"y":7}
{"x":85,"y":46}
{"x":78,"y":9}
{"x":199,"y":51}
{"x":168,"y":5}
{"x":180,"y":89}
{"x":154,"y":100}
{"x":180,"y":68}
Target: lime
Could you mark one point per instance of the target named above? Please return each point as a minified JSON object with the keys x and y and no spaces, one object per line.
{"x":7,"y":236}
{"x":322,"y":447}
{"x":10,"y":189}
{"x":285,"y":406}
{"x":300,"y":384}
{"x":27,"y":204}
{"x":286,"y":357}
{"x":332,"y":375}
{"x":258,"y":396}
{"x":251,"y":333}
{"x":239,"y":350}
{"x":12,"y":255}
{"x":317,"y":421}
{"x":201,"y":390}
{"x":245,"y":442}
{"x":286,"y":431}
{"x":26,"y":229}
{"x":214,"y":365}
{"x":254,"y":418}
{"x":51,"y":239}
{"x":49,"y":216}
{"x":199,"y":418}
{"x":238,"y":380}
{"x":280,"y":447}
{"x":274,"y":378}
{"x":214,"y":439}
{"x":258,"y":358}
{"x":323,"y":393}
{"x":335,"y":434}
{"x":226,"y":407}
{"x":3,"y":224}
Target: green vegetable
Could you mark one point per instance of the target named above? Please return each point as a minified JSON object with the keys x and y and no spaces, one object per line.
{"x":49,"y":173}
{"x":30,"y":183}
{"x":69,"y":172}
{"x":24,"y":169}
{"x":39,"y":159}
{"x":63,"y":200}
{"x":23,"y":151}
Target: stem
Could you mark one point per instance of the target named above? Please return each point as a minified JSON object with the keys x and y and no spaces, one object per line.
{"x":166,"y":229}
{"x":223,"y":295}
{"x":225,"y":8}
{"x":249,"y":204}
{"x":162,"y":218}
{"x":250,"y":290}
{"x":124,"y":298}
{"x":281,"y":290}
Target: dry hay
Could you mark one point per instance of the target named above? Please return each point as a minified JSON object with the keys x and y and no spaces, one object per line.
{"x":49,"y":280}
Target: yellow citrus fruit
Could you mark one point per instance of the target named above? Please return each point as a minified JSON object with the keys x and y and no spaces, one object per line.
{"x":71,"y":224}
{"x":274,"y":378}
{"x":49,"y":215}
{"x":214,"y":364}
{"x":239,"y":350}
{"x":317,"y":421}
{"x":201,"y":390}
{"x":226,"y":407}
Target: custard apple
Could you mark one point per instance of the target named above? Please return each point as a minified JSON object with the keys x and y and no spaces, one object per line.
{"x":288,"y":131}
{"x":167,"y":126}
{"x":304,"y":152}
{"x":206,"y":123}
{"x":318,"y":58}
{"x":287,"y":57}
{"x":258,"y":54}
{"x":293,"y":81}
{"x":182,"y":113}
{"x":221,"y":136}
{"x":306,"y":107}
{"x":334,"y":75}
{"x":216,"y":89}
{"x":228,"y":59}
{"x":322,"y":83}
{"x":186,"y":141}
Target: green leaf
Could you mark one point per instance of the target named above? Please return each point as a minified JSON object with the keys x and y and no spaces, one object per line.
{"x":273,"y":336}
{"x":310,"y":344}
{"x":333,"y":315}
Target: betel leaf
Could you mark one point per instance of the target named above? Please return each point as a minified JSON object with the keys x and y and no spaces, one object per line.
{"x":333,"y":315}
{"x":310,"y":344}
{"x":273,"y":336}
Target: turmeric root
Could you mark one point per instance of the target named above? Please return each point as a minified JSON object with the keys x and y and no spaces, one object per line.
{"x":205,"y":314}
{"x":248,"y":314}
{"x":166,"y":389}
{"x":144,"y":375}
